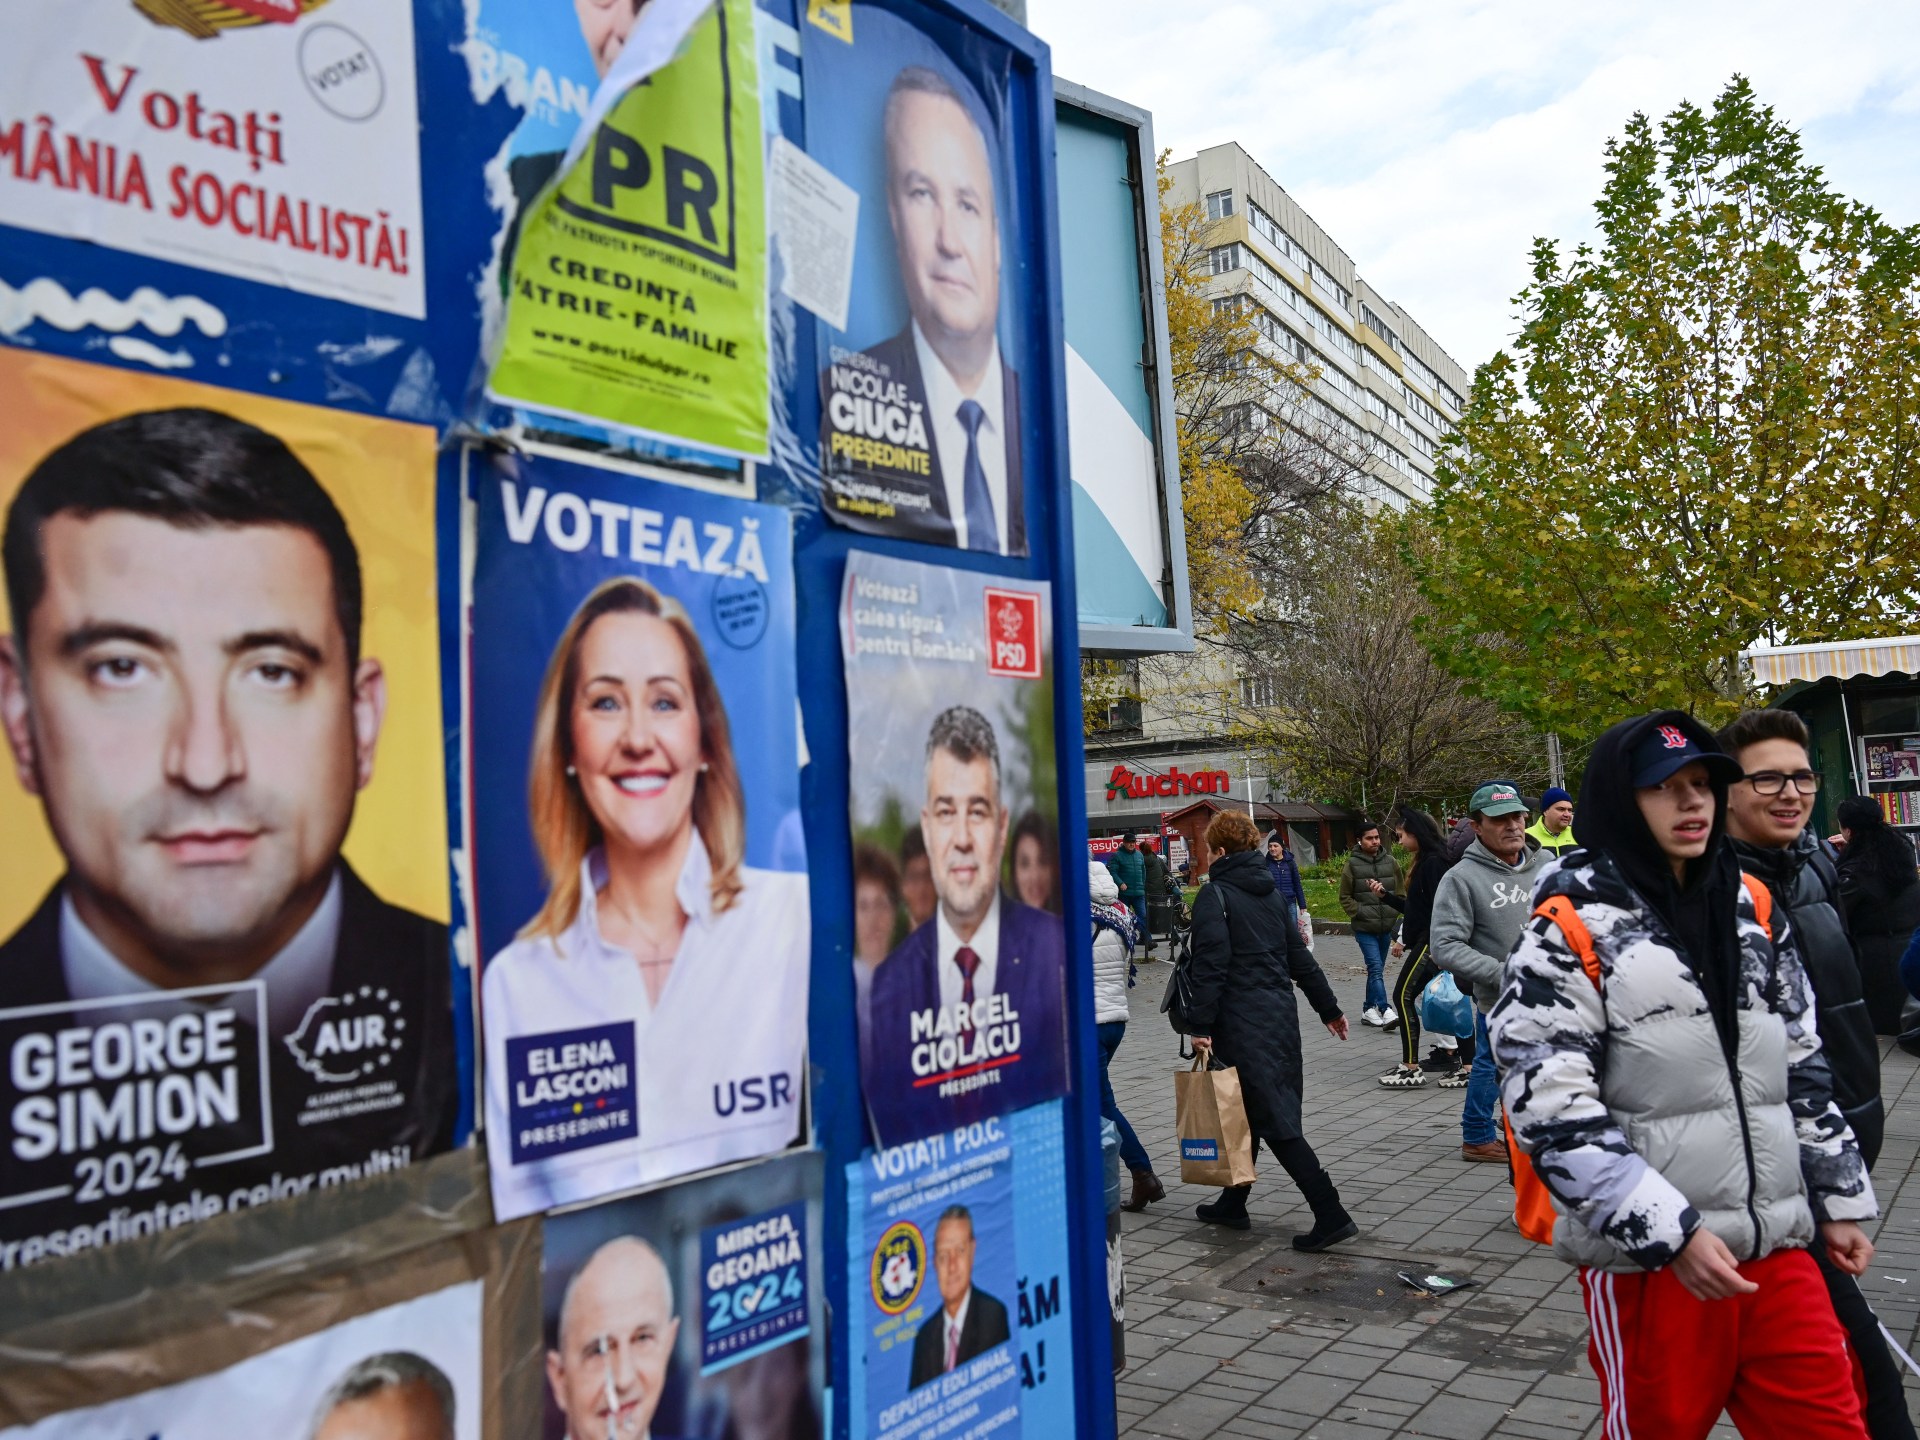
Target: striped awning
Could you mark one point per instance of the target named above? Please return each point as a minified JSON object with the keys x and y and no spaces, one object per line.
{"x":1840,"y":660}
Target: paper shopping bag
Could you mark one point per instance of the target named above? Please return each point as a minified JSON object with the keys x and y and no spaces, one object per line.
{"x":1216,"y":1144}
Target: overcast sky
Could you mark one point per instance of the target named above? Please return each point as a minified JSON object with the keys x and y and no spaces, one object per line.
{"x":1433,"y":139}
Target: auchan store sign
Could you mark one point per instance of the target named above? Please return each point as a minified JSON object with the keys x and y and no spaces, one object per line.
{"x":1128,"y":784}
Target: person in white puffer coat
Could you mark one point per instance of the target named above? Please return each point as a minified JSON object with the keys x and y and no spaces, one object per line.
{"x":1114,"y":935}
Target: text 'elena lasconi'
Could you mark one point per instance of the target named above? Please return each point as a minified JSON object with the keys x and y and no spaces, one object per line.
{"x":649,"y":537}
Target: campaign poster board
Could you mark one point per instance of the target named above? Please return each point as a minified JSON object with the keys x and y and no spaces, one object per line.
{"x":272,"y":140}
{"x":950,"y":738}
{"x":1129,"y":537}
{"x":637,"y":273}
{"x":225,"y":898}
{"x":921,"y":398}
{"x":639,"y":865}
{"x":693,"y":1310}
{"x":957,"y":1284}
{"x":411,"y":1368}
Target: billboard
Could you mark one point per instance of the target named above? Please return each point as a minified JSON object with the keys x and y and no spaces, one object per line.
{"x":1129,"y":540}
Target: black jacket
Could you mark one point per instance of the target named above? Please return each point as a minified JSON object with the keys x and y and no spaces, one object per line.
{"x":1882,"y":922}
{"x":1247,"y":958}
{"x":1416,"y":906}
{"x":365,"y":1084}
{"x":984,"y":1328}
{"x":1805,"y":886}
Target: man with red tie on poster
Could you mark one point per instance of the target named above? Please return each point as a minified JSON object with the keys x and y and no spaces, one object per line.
{"x":969,"y":1322}
{"x":966,"y":1015}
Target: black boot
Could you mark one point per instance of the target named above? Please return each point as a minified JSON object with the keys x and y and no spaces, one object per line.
{"x":1229,"y":1210}
{"x":1331,"y":1223}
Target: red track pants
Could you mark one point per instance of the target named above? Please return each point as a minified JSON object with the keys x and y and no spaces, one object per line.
{"x":1776,"y":1360}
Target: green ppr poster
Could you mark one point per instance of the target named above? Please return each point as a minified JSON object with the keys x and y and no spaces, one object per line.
{"x":638,"y":295}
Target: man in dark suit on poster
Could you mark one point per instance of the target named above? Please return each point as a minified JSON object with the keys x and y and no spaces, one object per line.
{"x":184,"y":692}
{"x":969,"y":1322}
{"x":967,"y":1013}
{"x":922,"y":431}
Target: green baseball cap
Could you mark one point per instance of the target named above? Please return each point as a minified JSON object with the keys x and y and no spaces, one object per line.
{"x":1497,"y":799}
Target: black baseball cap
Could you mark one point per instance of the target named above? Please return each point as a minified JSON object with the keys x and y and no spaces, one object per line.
{"x":1667,"y":748}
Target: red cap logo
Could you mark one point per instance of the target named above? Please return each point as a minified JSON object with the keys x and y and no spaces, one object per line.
{"x":1013,"y":634}
{"x":1671,"y":737}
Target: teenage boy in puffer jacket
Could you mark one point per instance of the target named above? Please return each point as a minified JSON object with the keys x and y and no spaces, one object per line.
{"x":1662,"y":1068}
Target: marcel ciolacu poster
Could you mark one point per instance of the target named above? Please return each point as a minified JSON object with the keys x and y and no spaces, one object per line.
{"x":637,"y":282}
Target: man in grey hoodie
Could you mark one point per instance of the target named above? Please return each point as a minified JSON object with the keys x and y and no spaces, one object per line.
{"x":1478,"y":913}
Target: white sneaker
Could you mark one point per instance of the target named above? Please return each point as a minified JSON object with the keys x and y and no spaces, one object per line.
{"x":1389,"y":1015}
{"x":1370,"y":1016}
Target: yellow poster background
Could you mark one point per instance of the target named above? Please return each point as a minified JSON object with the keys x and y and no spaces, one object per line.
{"x":381,"y":475}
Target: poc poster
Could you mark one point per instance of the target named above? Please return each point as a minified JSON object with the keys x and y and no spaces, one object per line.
{"x":957,"y":1284}
{"x":223,"y":912}
{"x":640,"y":876}
{"x":712,"y":1289}
{"x":920,"y":393}
{"x":637,"y":284}
{"x":961,"y":1005}
{"x":273,"y":140}
{"x":409,"y":1369}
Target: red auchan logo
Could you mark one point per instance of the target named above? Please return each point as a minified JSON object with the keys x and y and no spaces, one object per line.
{"x":1013,"y":633}
{"x":1175,"y":782}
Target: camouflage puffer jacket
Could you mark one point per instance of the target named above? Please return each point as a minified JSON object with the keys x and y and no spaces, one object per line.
{"x":1640,"y":1124}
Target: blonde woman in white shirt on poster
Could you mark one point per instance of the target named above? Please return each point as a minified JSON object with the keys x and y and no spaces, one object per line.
{"x":651,"y":914}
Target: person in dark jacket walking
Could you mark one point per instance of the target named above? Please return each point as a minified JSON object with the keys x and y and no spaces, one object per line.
{"x":1130,"y":874}
{"x":1369,"y":877}
{"x":1285,"y":870}
{"x":1881,"y":894}
{"x":1158,"y":878}
{"x":1247,"y":958}
{"x":1420,"y":837}
{"x":1767,"y":814}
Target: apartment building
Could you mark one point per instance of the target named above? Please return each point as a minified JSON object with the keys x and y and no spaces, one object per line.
{"x":1381,"y":381}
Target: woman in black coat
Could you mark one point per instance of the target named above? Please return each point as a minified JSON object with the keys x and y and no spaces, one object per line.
{"x":1418,"y":834}
{"x":1247,"y":957}
{"x":1880,"y":891}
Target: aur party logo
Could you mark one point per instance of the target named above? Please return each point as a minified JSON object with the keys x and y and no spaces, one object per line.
{"x":349,"y":1037}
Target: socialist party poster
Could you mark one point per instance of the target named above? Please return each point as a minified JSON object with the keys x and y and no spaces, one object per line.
{"x":273,"y":140}
{"x":637,"y":278}
{"x":223,"y":912}
{"x":957,"y":1284}
{"x":639,"y":869}
{"x":921,"y":433}
{"x":712,"y":1288}
{"x":960,"y":953}
{"x":408,"y":1369}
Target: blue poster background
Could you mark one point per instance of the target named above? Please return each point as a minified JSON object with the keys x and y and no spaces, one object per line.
{"x":523,"y":596}
{"x":1009,"y":1173}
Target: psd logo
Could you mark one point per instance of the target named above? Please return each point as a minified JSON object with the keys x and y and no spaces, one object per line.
{"x":349,"y":1037}
{"x":1013,"y":633}
{"x":899,"y":1265}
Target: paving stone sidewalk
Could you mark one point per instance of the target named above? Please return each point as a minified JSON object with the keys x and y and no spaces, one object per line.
{"x":1239,"y":1335}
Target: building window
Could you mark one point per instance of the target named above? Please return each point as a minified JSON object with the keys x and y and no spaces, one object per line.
{"x":1219,"y":205}
{"x":1259,"y":692}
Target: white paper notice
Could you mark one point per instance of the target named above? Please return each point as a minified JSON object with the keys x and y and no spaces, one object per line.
{"x":814,"y":216}
{"x":265,"y":142}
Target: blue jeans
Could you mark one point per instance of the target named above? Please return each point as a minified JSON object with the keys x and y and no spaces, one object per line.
{"x":1133,"y":1154}
{"x":1483,"y":1089}
{"x":1373,"y":949}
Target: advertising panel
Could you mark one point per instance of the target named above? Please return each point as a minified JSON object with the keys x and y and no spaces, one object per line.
{"x":273,"y":140}
{"x":640,"y":871}
{"x":959,"y":967}
{"x":409,"y":1369}
{"x":693,"y":1311}
{"x":956,"y":1255}
{"x":920,"y":393}
{"x":225,"y":896}
{"x":637,"y":285}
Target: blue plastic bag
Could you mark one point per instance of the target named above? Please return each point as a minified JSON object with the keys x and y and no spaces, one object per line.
{"x":1443,"y":1009}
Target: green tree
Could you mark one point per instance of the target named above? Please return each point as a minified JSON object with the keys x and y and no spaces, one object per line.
{"x":1704,"y":437}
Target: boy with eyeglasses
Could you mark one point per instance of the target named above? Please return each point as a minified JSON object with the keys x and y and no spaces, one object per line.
{"x":1768,"y":810}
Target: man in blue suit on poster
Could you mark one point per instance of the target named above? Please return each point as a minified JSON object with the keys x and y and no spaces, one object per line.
{"x":921,"y":432}
{"x":967,"y":1014}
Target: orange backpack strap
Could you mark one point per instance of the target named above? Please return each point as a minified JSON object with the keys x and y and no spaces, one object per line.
{"x":1561,"y":911}
{"x":1762,"y":902}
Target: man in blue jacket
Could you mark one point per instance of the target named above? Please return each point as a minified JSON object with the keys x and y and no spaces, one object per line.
{"x":1285,"y":869}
